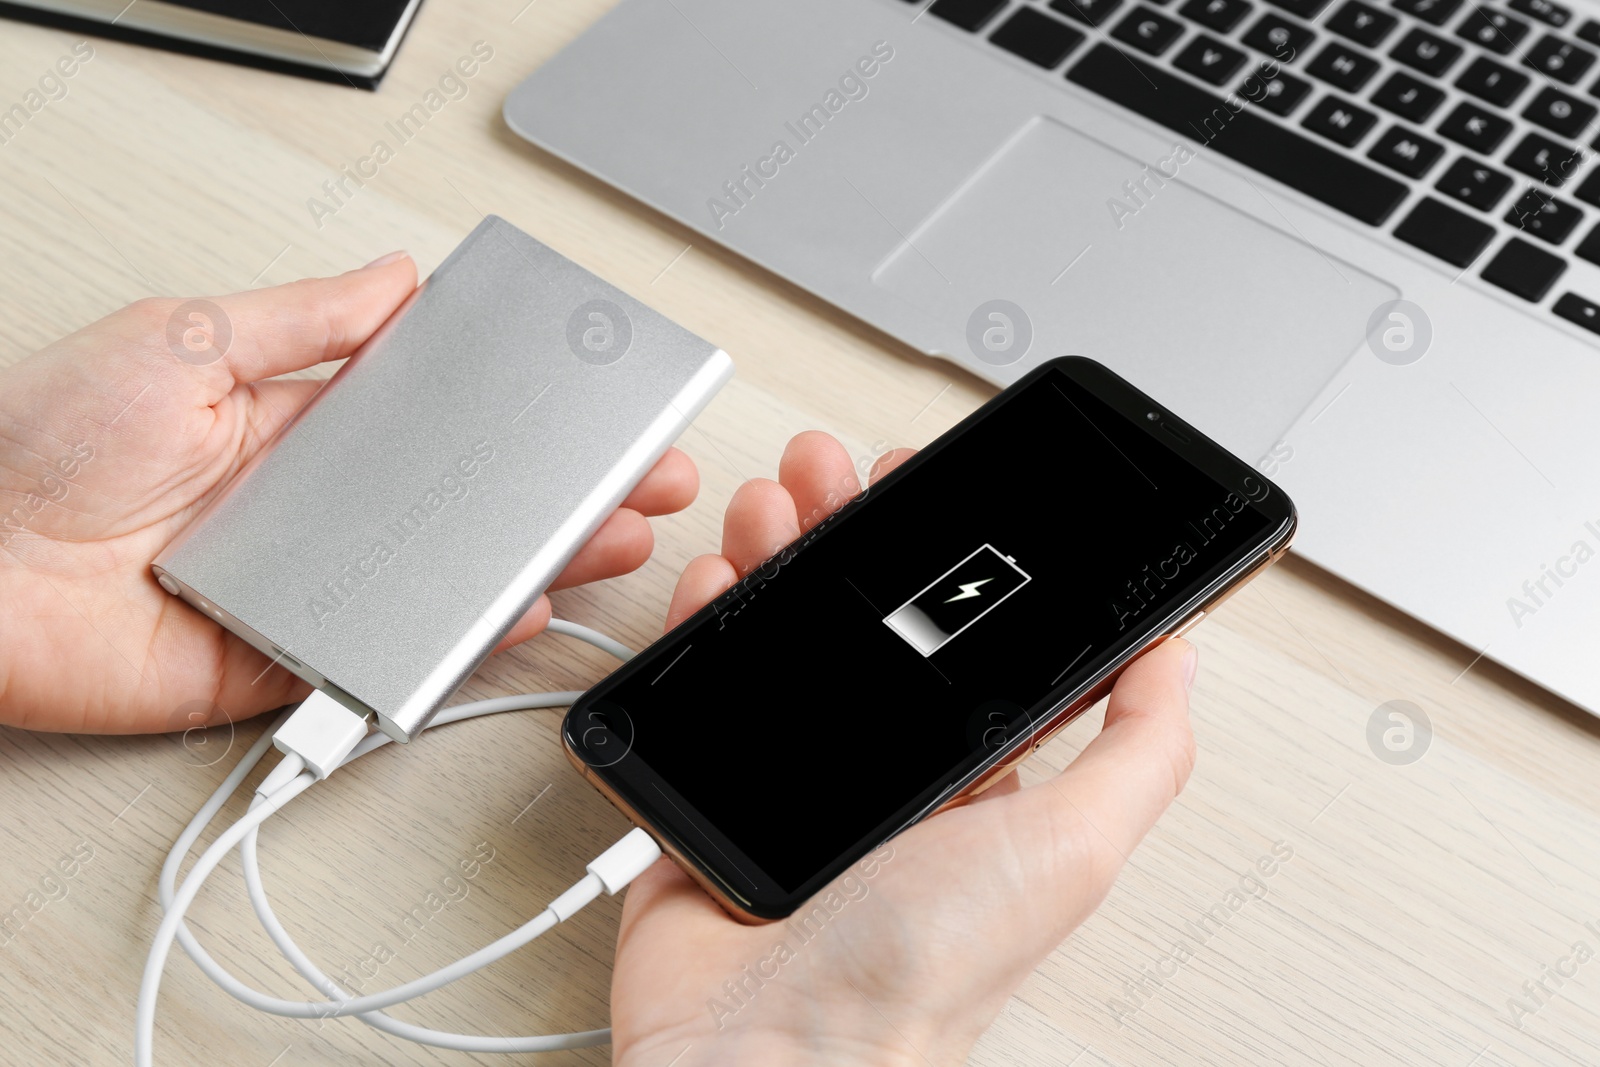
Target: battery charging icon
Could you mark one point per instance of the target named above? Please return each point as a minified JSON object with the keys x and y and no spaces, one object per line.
{"x":956,"y":599}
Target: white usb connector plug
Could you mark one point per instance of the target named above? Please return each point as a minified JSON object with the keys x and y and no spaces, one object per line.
{"x":611,"y":871}
{"x":321,"y":732}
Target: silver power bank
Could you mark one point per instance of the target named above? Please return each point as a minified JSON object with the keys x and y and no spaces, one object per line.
{"x":407,"y":516}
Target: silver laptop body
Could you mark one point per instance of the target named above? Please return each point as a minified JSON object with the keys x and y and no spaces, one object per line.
{"x":1436,"y":428}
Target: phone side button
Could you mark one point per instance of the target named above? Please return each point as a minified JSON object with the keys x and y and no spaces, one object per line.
{"x":1189,"y":624}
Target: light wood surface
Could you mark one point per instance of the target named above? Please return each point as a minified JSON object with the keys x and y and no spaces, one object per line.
{"x":1418,"y":898}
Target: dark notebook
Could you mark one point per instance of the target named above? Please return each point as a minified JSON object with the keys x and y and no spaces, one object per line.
{"x":345,"y":41}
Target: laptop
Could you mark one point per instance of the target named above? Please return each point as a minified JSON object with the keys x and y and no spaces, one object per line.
{"x":1356,"y":241}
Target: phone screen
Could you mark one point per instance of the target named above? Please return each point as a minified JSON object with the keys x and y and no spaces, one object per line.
{"x":864,"y":672}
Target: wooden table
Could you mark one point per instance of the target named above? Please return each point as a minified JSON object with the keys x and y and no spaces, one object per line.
{"x":1417,"y":899}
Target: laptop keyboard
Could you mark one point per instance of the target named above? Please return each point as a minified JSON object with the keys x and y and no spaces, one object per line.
{"x":1482,"y":109}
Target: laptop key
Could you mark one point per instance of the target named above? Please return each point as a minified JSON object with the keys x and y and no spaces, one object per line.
{"x":1441,"y":230}
{"x":1494,"y":30}
{"x":1437,"y":12}
{"x":1306,"y":9}
{"x":1219,"y":15}
{"x":1209,"y":59}
{"x":1474,"y":184}
{"x":1407,"y":97}
{"x":1588,"y":190}
{"x":1425,"y":52}
{"x":1543,"y":10}
{"x":1362,"y":23}
{"x":1474,"y":127}
{"x":1545,"y":217}
{"x":1574,"y":308}
{"x":1523,"y":269}
{"x":1148,"y":30}
{"x":1409,"y":153}
{"x":1037,"y":37}
{"x":968,"y":14}
{"x":1539,"y":157}
{"x":1088,"y":12}
{"x":1339,"y":121}
{"x":1589,"y":31}
{"x":1342,"y":67}
{"x":1488,"y":80}
{"x":1273,"y":90}
{"x":1342,"y":183}
{"x":1562,"y":60}
{"x":1559,"y":113}
{"x":1589,"y":247}
{"x":1278,"y":37}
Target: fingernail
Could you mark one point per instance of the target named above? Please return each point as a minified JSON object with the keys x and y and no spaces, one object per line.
{"x":1191,"y":664}
{"x":384,"y":261}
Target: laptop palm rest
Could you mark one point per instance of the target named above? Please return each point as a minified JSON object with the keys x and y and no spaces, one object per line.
{"x":1130,"y":265}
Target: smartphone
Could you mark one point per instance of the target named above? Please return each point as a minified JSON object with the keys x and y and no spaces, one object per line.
{"x":904,"y":653}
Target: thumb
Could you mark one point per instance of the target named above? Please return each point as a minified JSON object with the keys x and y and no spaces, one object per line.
{"x":1087,"y":821}
{"x":262,"y":333}
{"x":1126,"y":777}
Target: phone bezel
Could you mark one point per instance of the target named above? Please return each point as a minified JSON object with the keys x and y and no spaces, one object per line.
{"x":1063,"y":705}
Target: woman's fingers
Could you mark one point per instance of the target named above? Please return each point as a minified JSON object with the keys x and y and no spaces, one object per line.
{"x":622,"y":544}
{"x":531,"y":624}
{"x":705,"y":578}
{"x":889,"y":461}
{"x":819,"y":475}
{"x":815,"y":478}
{"x":670,"y":486}
{"x":760,"y":520}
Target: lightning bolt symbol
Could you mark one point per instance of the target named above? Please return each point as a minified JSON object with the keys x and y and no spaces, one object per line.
{"x":969,"y":590}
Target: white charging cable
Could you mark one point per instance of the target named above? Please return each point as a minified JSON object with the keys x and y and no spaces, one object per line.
{"x":317,"y":738}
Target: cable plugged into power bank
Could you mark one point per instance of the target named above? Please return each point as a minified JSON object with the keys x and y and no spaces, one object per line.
{"x":317,"y":738}
{"x":321,"y":734}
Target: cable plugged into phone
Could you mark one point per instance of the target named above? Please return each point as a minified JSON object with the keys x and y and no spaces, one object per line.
{"x":317,"y":738}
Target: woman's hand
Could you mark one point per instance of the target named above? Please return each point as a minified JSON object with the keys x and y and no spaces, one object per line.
{"x":924,"y":941}
{"x":113,"y":438}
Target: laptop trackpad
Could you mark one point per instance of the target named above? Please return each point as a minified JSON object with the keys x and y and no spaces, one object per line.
{"x":1234,"y":323}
